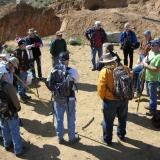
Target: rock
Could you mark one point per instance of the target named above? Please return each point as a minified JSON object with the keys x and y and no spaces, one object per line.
{"x":18,"y":19}
{"x":113,"y":37}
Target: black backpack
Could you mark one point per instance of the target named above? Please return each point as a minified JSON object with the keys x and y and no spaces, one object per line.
{"x":4,"y":102}
{"x":123,"y":84}
{"x":60,"y":83}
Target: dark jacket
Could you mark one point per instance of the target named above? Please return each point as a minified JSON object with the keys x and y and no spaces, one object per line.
{"x":35,"y":50}
{"x":57,"y":46}
{"x":11,"y":95}
{"x":128,"y":40}
{"x":90,"y":33}
{"x":24,"y":61}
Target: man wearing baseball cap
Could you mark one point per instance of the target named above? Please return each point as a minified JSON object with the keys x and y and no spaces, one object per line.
{"x":57,"y":46}
{"x":62,"y":104}
{"x":152,"y":75}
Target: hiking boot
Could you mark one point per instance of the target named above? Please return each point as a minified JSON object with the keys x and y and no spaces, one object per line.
{"x":9,"y":148}
{"x":93,"y":69}
{"x":150,"y":113}
{"x":108,"y":143}
{"x":75,"y":140}
{"x":21,"y":154}
{"x":24,"y":99}
{"x":28,"y":97}
{"x":121,"y":138}
{"x":61,"y":141}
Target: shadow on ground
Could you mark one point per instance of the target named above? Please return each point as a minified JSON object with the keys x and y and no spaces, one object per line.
{"x":87,"y":87}
{"x":119,"y":151}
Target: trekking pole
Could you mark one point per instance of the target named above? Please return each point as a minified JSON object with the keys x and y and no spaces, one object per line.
{"x":29,"y":89}
{"x":142,"y":78}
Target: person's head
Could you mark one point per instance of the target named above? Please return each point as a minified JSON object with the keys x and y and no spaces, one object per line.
{"x":147,"y":35}
{"x":97,"y":24}
{"x":59,"y":35}
{"x":108,"y":60}
{"x":31,"y":33}
{"x":155,"y":45}
{"x":64,"y":58}
{"x":127,"y":27}
{"x":21,"y":43}
{"x":13,"y":63}
{"x":3,"y":73}
{"x":109,"y":47}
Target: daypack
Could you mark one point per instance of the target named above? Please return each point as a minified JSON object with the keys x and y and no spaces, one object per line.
{"x":60,"y":83}
{"x":4,"y":103}
{"x":123,"y":84}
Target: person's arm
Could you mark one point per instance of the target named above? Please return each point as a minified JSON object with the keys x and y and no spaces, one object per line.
{"x":152,"y":68}
{"x":11,"y":92}
{"x":121,"y":39}
{"x":52,"y":47}
{"x":101,"y":87}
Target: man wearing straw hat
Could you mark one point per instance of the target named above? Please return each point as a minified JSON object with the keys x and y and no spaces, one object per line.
{"x":33,"y":45}
{"x":111,"y":104}
{"x":57,"y":46}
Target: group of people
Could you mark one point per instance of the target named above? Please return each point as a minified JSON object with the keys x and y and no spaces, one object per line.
{"x":116,"y":83}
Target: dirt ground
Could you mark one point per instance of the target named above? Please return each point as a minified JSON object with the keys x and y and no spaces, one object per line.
{"x":142,"y":140}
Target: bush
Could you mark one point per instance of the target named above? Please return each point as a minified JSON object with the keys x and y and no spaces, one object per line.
{"x":75,"y":41}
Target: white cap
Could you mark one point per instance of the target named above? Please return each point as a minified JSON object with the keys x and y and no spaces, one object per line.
{"x":97,"y":23}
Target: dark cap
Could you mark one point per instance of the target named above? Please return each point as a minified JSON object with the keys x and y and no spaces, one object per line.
{"x":63,"y":56}
{"x":21,"y":42}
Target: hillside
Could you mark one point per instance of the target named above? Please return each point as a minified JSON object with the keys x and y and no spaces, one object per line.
{"x":76,"y":15}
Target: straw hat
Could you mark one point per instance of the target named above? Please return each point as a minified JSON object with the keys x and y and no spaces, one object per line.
{"x":107,"y":58}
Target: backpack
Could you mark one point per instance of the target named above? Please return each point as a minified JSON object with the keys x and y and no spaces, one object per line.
{"x":4,"y":102}
{"x":60,"y":83}
{"x":123,"y":84}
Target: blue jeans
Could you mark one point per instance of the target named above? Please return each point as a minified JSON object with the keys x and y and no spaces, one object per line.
{"x":110,"y":110}
{"x":93,"y":55}
{"x":136,"y":77}
{"x":10,"y":133}
{"x":59,"y":111}
{"x":21,"y":88}
{"x":152,"y":86}
{"x":38,"y":62}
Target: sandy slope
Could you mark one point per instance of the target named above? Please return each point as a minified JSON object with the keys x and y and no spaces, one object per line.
{"x":142,"y":142}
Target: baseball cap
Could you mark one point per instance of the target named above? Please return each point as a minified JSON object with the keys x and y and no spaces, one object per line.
{"x":14,"y":61}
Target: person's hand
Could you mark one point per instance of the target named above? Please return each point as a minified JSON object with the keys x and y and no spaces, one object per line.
{"x":33,"y":45}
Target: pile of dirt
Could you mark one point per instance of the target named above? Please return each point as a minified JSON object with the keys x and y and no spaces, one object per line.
{"x":16,"y":20}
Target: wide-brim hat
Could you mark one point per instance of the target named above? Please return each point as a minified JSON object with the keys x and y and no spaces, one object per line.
{"x":31,"y":31}
{"x":14,"y":61}
{"x":59,"y":33}
{"x":107,"y":58}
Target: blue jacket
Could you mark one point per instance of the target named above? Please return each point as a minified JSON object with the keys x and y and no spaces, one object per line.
{"x":131,"y":37}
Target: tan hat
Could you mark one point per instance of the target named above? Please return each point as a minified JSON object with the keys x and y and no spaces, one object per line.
{"x":59,"y":33}
{"x":107,"y":58}
{"x":30,"y":31}
{"x":14,"y":61}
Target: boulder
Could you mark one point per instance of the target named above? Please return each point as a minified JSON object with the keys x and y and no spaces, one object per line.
{"x":113,"y":37}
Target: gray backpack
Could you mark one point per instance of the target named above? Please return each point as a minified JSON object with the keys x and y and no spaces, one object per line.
{"x":123,"y":84}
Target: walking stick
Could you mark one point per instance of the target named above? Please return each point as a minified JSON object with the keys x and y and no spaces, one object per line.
{"x":142,"y":80}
